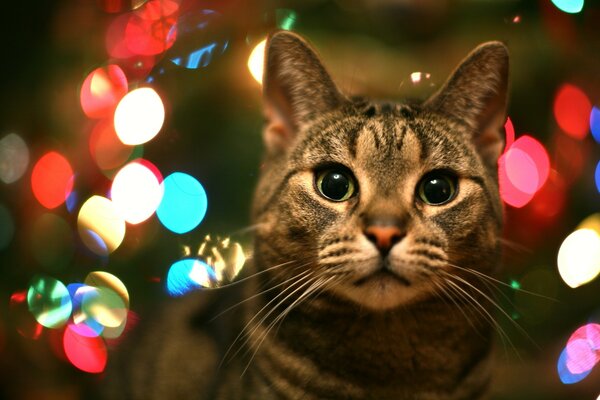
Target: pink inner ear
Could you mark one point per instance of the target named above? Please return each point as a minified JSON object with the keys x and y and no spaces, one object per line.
{"x":278,"y":132}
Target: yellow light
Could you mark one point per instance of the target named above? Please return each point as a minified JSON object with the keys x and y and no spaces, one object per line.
{"x":592,"y":222}
{"x":136,"y":193}
{"x":256,"y":61}
{"x":101,"y":228}
{"x":579,"y":257}
{"x":139,"y":116}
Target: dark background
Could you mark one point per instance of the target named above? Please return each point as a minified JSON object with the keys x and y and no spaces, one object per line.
{"x":212,"y":131}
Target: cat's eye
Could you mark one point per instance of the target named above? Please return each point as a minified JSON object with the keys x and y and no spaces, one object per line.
{"x":437,"y":188}
{"x":335,"y":184}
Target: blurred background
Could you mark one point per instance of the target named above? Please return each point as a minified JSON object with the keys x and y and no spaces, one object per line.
{"x":131,"y":129}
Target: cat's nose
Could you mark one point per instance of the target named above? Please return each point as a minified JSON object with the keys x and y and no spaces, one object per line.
{"x":384,"y":237}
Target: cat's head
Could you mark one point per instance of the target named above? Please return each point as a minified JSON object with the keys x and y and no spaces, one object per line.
{"x":378,"y":201}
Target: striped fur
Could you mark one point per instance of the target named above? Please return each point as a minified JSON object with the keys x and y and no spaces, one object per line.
{"x":314,"y":324}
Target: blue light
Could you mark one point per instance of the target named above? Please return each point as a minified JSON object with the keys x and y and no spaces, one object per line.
{"x":184,"y":203}
{"x":595,"y":123}
{"x":598,"y":176}
{"x":183,"y":274}
{"x":566,"y":376}
{"x":569,"y":6}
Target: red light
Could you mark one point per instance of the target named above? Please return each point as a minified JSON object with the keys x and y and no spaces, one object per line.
{"x":152,"y":29}
{"x":86,"y":353}
{"x":572,"y":110}
{"x":52,"y":180}
{"x":106,"y":148}
{"x":102,"y":90}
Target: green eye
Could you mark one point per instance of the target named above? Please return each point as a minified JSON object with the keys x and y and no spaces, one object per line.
{"x":437,"y":188}
{"x":335,"y":184}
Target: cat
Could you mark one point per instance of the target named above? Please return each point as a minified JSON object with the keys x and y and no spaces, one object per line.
{"x":375,"y":222}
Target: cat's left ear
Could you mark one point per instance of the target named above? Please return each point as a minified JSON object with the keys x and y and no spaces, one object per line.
{"x":476,"y":94}
{"x":296,"y":88}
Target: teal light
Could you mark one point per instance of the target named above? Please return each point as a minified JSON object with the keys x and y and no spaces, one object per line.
{"x":569,"y":6}
{"x":184,"y":203}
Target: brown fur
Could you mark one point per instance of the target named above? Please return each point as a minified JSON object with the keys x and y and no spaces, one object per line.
{"x":319,"y":324}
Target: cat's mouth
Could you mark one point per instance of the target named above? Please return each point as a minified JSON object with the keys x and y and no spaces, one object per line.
{"x":383,"y":274}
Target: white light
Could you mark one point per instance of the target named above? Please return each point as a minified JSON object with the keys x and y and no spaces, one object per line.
{"x":139,"y":116}
{"x":100,"y":227}
{"x":579,"y":257}
{"x":14,"y":158}
{"x":136,"y":192}
{"x":256,"y":61}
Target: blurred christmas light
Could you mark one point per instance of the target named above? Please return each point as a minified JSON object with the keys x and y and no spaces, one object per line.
{"x":88,"y":354}
{"x":49,"y":301}
{"x":7,"y":227}
{"x":580,"y":354}
{"x":256,"y":61}
{"x":106,"y":148}
{"x":21,"y":318}
{"x":522,"y":170}
{"x":183,"y":204}
{"x":200,"y":39}
{"x":572,"y":110}
{"x":139,"y":116}
{"x":595,"y":123}
{"x":136,"y":192}
{"x":52,"y":242}
{"x":597,"y":175}
{"x":569,"y":6}
{"x":105,"y":306}
{"x":579,"y":257}
{"x":100,"y":226}
{"x":52,"y":180}
{"x":592,"y":222}
{"x":108,"y":280}
{"x":187,"y":275}
{"x":14,"y":158}
{"x":285,"y":18}
{"x":224,"y":256}
{"x":101,"y":91}
{"x":152,"y":28}
{"x":417,"y":77}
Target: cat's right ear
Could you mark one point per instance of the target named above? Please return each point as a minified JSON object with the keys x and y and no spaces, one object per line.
{"x":296,"y":89}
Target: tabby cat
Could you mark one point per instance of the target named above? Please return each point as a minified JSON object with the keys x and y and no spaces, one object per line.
{"x":374,"y":224}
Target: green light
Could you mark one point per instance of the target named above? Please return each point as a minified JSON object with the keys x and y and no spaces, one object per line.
{"x":515,"y":285}
{"x":286,"y":18}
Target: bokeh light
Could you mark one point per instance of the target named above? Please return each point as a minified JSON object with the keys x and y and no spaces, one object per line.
{"x":14,"y":158}
{"x":88,"y":354}
{"x":101,"y":91}
{"x":580,"y":355}
{"x":200,"y":39}
{"x":21,"y":318}
{"x":117,"y":6}
{"x":522,"y":170}
{"x":52,"y":180}
{"x":569,"y":6}
{"x":285,"y":18}
{"x":100,"y":226}
{"x":183,"y":204}
{"x":595,"y":123}
{"x":110,"y":281}
{"x":256,"y":61}
{"x":224,"y":256}
{"x":7,"y":227}
{"x":509,"y":131}
{"x":49,"y":301}
{"x":106,"y":148}
{"x":139,"y":116}
{"x":136,"y":192}
{"x":597,"y":176}
{"x":572,"y":110}
{"x":592,"y":222}
{"x":579,"y":257}
{"x":104,"y":305}
{"x":52,"y":242}
{"x":187,"y":275}
{"x":152,"y":29}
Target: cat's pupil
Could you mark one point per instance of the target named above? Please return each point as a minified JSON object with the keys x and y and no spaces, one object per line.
{"x":335,"y":185}
{"x":437,"y":190}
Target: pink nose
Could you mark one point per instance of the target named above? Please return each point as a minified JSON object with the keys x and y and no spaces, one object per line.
{"x":384,"y":237}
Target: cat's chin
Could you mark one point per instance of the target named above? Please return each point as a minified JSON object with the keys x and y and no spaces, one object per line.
{"x":379,"y":292}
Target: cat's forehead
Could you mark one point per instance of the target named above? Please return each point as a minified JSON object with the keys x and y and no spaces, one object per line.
{"x":384,"y":137}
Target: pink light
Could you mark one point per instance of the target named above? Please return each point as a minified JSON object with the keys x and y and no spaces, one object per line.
{"x":580,"y":357}
{"x":509,"y":130}
{"x":86,"y":353}
{"x":572,"y":110}
{"x":538,"y":154}
{"x":102,"y":90}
